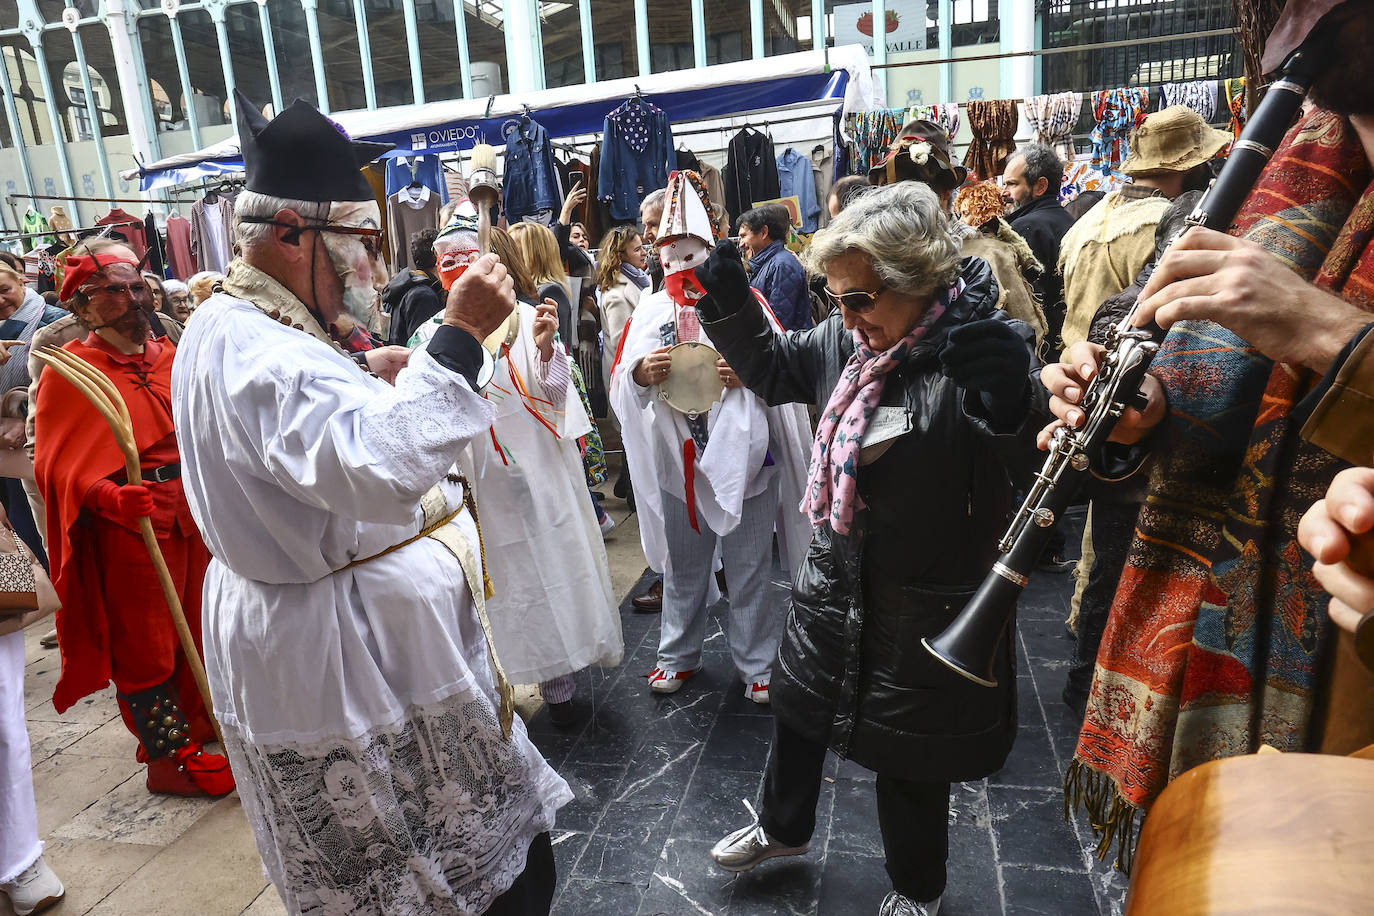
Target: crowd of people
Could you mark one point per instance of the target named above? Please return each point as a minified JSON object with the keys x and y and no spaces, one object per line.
{"x":375,"y":496}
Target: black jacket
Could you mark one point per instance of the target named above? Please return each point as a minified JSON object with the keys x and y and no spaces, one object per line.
{"x":851,"y":671}
{"x":412,"y":297}
{"x":1042,"y":223}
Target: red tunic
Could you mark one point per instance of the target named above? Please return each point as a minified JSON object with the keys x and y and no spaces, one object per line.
{"x":114,"y":622}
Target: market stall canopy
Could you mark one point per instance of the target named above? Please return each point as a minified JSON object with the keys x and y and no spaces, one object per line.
{"x":436,"y":127}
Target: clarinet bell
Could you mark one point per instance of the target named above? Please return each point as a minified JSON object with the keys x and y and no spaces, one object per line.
{"x":972,"y":643}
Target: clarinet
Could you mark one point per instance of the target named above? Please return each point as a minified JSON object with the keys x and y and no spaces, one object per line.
{"x":970,"y":644}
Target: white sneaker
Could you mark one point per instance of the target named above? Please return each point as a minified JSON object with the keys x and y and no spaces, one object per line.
{"x":894,"y":904}
{"x":748,"y":846}
{"x":607,"y":523}
{"x":661,"y":680}
{"x":36,"y":889}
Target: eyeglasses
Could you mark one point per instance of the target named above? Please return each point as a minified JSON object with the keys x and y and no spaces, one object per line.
{"x":857,"y":301}
{"x":133,"y":290}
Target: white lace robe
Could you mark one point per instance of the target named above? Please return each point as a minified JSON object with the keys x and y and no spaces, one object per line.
{"x":359,"y":707}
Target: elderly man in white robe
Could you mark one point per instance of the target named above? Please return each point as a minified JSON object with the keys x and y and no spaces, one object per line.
{"x":726,"y":475}
{"x":367,"y":722}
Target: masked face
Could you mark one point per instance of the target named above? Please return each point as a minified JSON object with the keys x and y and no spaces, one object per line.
{"x":356,"y":259}
{"x":119,"y":300}
{"x":454,"y":254}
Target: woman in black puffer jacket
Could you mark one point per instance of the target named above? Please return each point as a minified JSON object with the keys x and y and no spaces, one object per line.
{"x":910,"y":489}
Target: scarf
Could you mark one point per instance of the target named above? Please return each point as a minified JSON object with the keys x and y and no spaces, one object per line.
{"x":1118,"y":112}
{"x":635,"y":275}
{"x":1052,"y":118}
{"x":832,"y":479}
{"x":1235,"y":103}
{"x":1212,"y":644}
{"x":1200,"y":96}
{"x":994,"y":125}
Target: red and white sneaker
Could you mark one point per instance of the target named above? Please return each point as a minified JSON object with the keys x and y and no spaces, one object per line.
{"x":758,"y":692}
{"x":662,"y":681}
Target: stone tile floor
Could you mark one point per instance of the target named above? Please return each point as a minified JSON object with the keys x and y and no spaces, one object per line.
{"x":658,"y":780}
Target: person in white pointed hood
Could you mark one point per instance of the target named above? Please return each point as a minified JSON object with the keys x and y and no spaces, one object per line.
{"x":725,"y":477}
{"x":554,"y":611}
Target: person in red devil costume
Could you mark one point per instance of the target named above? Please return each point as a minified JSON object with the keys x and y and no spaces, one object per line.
{"x":114,"y":624}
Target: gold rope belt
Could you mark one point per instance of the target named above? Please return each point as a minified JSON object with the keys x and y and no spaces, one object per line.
{"x":481,"y":588}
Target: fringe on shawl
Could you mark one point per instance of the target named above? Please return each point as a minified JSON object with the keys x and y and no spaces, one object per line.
{"x":1114,"y":820}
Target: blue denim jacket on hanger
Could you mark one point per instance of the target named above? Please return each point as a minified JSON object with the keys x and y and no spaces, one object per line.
{"x":795,"y":179}
{"x":635,"y":149}
{"x":530,"y":183}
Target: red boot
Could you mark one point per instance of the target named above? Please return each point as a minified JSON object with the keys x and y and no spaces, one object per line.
{"x":190,"y":771}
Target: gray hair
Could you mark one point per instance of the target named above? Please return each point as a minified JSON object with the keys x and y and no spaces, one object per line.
{"x":903,"y":232}
{"x":262,"y":206}
{"x":654,"y":201}
{"x":1041,"y":162}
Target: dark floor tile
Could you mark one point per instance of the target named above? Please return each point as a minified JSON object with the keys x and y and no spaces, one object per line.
{"x":1050,"y":647}
{"x":658,"y":773}
{"x":972,"y":886}
{"x":554,"y":746}
{"x":852,"y":885}
{"x":968,"y":805}
{"x":1035,"y":891}
{"x":594,"y":787}
{"x":713,"y":804}
{"x":778,"y":887}
{"x":739,"y":743}
{"x":1031,"y":762}
{"x":854,"y":820}
{"x":626,"y":845}
{"x":737,"y":704}
{"x":1031,"y":830}
{"x":688,"y":715}
{"x":685,"y":880}
{"x":567,"y":847}
{"x":598,"y":898}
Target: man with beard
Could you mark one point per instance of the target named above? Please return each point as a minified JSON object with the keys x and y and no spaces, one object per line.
{"x":370,"y":726}
{"x":114,"y":624}
{"x":1217,"y":641}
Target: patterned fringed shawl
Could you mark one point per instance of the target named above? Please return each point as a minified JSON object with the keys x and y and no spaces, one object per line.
{"x":1214,"y":635}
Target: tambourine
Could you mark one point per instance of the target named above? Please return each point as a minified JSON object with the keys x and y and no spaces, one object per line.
{"x":693,"y":382}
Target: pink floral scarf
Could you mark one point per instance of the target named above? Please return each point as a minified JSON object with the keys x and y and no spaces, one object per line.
{"x":832,"y":481}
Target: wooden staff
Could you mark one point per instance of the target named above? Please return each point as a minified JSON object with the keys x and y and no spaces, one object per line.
{"x":105,"y":397}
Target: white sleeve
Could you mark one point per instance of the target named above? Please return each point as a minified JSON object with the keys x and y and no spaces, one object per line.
{"x":330,"y":438}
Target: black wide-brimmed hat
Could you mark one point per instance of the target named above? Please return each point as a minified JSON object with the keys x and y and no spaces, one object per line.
{"x":302,"y":155}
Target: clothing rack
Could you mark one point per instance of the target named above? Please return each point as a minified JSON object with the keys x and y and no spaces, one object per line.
{"x":75,"y":230}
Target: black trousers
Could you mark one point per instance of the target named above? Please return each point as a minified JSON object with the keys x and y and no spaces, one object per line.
{"x":913,"y":816}
{"x":1113,"y":527}
{"x":532,"y":892}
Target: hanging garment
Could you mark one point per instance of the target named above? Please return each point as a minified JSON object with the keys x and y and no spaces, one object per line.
{"x":157,"y":255}
{"x":715,"y":185}
{"x":686,"y":159}
{"x":1118,"y":112}
{"x":636,"y":157}
{"x":138,"y":241}
{"x":795,"y":180}
{"x":408,"y":211}
{"x":994,"y":125}
{"x":1080,"y":175}
{"x":945,"y":114}
{"x":601,"y":206}
{"x":1199,"y":95}
{"x":1235,"y":101}
{"x":1052,"y":117}
{"x":59,"y":220}
{"x":212,"y":232}
{"x":425,"y":168}
{"x":872,"y":133}
{"x":530,"y":183}
{"x":179,"y":256}
{"x":36,"y":222}
{"x":588,"y":213}
{"x":751,"y":171}
{"x":455,"y":185}
{"x":822,"y":173}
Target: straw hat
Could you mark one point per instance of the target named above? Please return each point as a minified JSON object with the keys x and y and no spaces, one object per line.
{"x":1175,"y":139}
{"x":920,"y":153}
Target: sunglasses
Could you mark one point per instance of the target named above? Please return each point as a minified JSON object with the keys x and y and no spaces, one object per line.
{"x":857,"y":301}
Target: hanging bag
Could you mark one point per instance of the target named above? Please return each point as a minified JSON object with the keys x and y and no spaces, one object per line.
{"x":26,"y":592}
